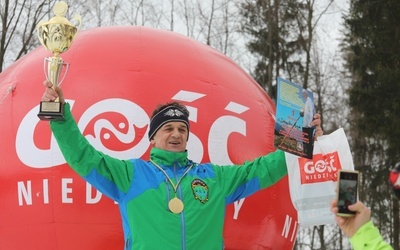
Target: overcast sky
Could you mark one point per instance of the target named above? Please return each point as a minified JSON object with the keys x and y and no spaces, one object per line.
{"x":331,"y":24}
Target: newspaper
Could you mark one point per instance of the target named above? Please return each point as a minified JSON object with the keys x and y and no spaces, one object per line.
{"x":294,"y":112}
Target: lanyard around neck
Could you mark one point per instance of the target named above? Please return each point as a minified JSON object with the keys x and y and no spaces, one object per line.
{"x":175,"y":187}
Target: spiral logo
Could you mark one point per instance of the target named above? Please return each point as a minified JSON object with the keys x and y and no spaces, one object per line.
{"x":98,"y":123}
{"x":117,"y":126}
{"x":320,"y":166}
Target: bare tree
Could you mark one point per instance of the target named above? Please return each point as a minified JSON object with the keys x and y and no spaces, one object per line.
{"x":188,"y":12}
{"x":172,"y":2}
{"x":213,"y":23}
{"x":18,"y":27}
{"x":312,"y":22}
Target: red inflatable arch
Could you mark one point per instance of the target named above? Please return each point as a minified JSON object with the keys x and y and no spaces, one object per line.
{"x":116,"y":77}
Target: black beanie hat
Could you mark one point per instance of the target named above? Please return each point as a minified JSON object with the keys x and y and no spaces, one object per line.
{"x":168,"y":114}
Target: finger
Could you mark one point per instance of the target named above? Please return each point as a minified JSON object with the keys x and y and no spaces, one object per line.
{"x":48,"y":97}
{"x":318,"y":131}
{"x":47,"y":84}
{"x":49,"y":94}
{"x":57,"y":89}
{"x":315,"y":122}
{"x":334,"y":208}
{"x":339,"y":220}
{"x":359,"y":207}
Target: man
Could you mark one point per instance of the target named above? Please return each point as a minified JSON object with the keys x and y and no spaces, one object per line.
{"x":308,"y":109}
{"x":307,"y":127}
{"x":168,"y":202}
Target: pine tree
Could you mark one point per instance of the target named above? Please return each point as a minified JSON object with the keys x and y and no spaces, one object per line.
{"x":277,"y":32}
{"x":373,"y":59}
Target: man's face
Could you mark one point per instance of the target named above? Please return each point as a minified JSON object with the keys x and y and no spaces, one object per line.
{"x":172,"y":136}
{"x":305,"y":95}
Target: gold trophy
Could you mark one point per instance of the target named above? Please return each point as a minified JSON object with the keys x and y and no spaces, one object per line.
{"x":56,"y":35}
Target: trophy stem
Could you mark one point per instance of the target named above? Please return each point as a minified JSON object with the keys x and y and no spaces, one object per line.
{"x":54,"y":67}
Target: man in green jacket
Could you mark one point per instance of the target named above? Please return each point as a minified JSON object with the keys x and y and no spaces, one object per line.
{"x":168,"y":202}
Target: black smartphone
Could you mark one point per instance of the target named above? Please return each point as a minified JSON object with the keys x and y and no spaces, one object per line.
{"x":347,"y":191}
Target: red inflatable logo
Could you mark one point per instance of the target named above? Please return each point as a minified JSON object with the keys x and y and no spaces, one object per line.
{"x":113,"y":85}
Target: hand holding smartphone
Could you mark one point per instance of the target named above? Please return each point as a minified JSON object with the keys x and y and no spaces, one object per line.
{"x":347,"y":191}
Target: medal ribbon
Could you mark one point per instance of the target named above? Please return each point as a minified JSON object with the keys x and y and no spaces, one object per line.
{"x":175,"y":187}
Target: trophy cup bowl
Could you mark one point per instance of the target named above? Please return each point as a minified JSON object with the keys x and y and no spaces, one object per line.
{"x":56,"y":35}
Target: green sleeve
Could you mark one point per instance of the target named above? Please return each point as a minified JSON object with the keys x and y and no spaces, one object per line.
{"x":242,"y":180}
{"x":86,"y":160}
{"x":368,"y":238}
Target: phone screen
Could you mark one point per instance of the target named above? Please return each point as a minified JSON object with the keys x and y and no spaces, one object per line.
{"x":347,"y":191}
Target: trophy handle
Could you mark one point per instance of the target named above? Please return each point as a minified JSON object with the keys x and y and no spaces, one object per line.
{"x":78,"y":19}
{"x":53,"y":68}
{"x":39,"y":31}
{"x":66,"y":65}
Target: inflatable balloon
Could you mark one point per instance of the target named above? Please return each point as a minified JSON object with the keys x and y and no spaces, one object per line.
{"x":116,"y":76}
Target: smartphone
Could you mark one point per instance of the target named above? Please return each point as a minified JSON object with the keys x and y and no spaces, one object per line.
{"x":347,"y":191}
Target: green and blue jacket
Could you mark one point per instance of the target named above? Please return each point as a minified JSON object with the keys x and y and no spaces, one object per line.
{"x":143,"y":191}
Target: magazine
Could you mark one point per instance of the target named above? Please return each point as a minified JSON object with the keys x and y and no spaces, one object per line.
{"x":294,"y":112}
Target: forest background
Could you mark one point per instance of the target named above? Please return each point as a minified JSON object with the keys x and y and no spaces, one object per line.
{"x":345,"y":51}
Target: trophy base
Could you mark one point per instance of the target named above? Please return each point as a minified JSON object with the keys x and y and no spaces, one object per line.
{"x":51,"y":111}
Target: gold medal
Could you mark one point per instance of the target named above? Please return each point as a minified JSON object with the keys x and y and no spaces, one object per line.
{"x":175,"y":205}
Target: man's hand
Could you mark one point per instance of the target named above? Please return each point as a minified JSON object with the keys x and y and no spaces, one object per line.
{"x":50,"y":94}
{"x":317,"y":123}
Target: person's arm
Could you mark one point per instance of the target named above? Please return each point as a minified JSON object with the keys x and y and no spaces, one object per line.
{"x":240,"y":181}
{"x":243,"y":180}
{"x":359,"y":228}
{"x":368,"y":237}
{"x":109,"y":175}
